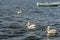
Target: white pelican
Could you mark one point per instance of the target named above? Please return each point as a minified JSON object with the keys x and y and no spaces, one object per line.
{"x":51,"y":32}
{"x":31,"y":26}
{"x":19,"y":12}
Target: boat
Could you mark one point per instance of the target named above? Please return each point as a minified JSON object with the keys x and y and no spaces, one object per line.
{"x":52,"y":4}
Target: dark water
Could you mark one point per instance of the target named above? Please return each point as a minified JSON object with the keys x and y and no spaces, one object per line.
{"x":13,"y":25}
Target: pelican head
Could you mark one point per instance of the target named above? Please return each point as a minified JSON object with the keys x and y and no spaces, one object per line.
{"x":48,"y":28}
{"x":51,"y":32}
{"x":31,"y":26}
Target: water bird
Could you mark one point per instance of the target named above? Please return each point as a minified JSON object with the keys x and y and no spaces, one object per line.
{"x":19,"y":12}
{"x":31,"y":26}
{"x":51,"y":32}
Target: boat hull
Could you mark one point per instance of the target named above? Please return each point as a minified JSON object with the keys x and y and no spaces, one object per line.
{"x":53,"y":4}
{"x":48,"y":5}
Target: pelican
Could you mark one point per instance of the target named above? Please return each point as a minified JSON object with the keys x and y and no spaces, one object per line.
{"x":19,"y":12}
{"x":51,"y":32}
{"x":31,"y":26}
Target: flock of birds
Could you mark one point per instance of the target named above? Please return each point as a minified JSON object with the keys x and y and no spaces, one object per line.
{"x":50,"y":32}
{"x":31,"y":26}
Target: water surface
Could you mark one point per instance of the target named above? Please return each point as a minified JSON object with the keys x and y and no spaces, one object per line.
{"x":13,"y":25}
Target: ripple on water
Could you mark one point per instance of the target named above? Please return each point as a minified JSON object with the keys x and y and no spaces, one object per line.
{"x":32,"y":38}
{"x":14,"y":26}
{"x":11,"y":33}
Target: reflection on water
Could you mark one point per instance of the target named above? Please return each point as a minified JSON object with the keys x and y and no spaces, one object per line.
{"x":52,"y":38}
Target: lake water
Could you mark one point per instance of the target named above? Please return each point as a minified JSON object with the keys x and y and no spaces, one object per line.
{"x":13,"y":25}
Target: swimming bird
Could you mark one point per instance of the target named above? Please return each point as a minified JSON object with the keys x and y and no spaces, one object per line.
{"x":51,"y":32}
{"x":31,"y":26}
{"x":19,"y":12}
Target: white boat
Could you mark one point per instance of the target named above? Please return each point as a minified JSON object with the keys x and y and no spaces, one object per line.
{"x":53,"y":4}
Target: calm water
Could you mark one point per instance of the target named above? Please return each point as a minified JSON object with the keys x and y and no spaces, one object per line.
{"x":13,"y":25}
